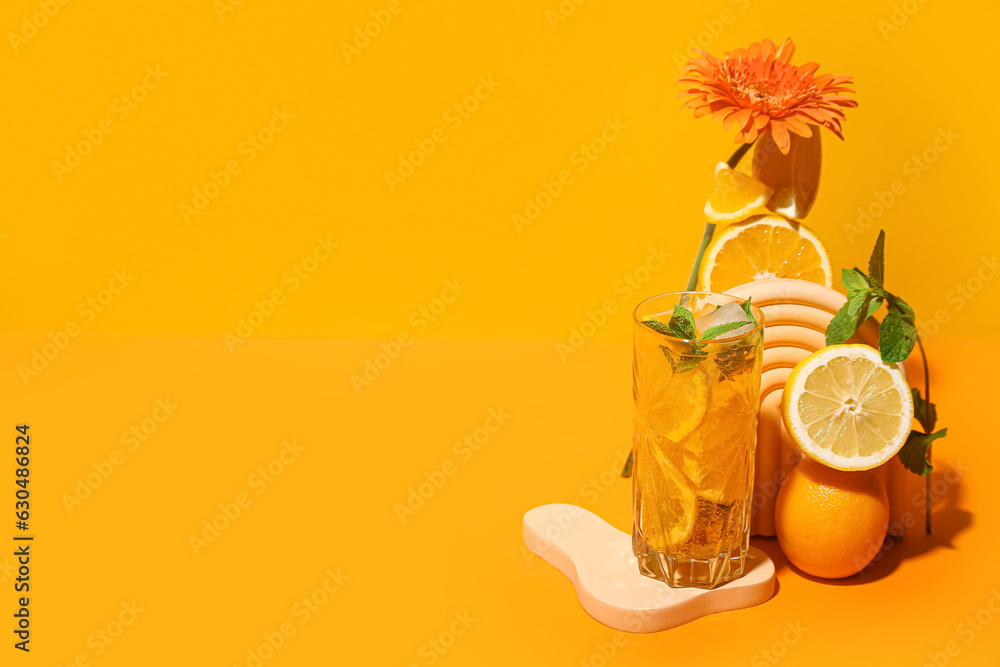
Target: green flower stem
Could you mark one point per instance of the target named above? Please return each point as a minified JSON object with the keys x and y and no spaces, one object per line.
{"x":927,"y":430}
{"x":738,"y":154}
{"x":705,"y":240}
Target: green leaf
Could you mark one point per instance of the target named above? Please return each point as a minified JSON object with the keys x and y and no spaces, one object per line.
{"x":719,"y":329}
{"x":685,"y":363}
{"x":657,"y":326}
{"x":925,"y":412}
{"x":876,"y":265}
{"x":857,"y":303}
{"x":627,"y":470}
{"x":903,"y":308}
{"x":896,"y":338}
{"x":849,"y":317}
{"x":681,"y":324}
{"x":854,"y":280}
{"x":748,"y":311}
{"x":873,"y":307}
{"x":841,"y":327}
{"x":914,"y":451}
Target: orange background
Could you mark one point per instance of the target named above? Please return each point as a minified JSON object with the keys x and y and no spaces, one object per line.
{"x":307,"y":251}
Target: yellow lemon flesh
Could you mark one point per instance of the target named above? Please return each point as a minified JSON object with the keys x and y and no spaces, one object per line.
{"x":846,"y":408}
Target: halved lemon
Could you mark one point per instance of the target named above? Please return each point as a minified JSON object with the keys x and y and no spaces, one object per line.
{"x":735,"y":195}
{"x":846,"y":408}
{"x":766,"y":246}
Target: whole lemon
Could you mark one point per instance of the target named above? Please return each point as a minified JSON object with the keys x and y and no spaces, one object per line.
{"x":831,"y":523}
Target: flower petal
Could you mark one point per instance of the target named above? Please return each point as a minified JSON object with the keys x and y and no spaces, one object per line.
{"x":780,"y":134}
{"x":758,"y":87}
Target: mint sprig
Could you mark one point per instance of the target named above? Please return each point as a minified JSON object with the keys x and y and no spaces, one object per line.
{"x":897,"y":337}
{"x":865,"y":295}
{"x":682,"y":323}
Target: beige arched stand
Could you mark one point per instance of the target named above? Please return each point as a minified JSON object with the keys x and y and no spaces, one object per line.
{"x":796,"y":314}
{"x":597,"y":558}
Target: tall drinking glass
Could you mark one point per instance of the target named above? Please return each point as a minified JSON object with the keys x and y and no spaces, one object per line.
{"x":696,"y":404}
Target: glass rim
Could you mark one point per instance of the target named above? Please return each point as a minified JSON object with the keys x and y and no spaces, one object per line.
{"x":758,"y":314}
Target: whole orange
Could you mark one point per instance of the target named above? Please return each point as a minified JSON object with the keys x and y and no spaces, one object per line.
{"x":831,"y":523}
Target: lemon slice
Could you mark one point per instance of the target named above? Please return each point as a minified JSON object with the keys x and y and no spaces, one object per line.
{"x":678,"y":502}
{"x":735,"y":195}
{"x":717,"y":458}
{"x":764,"y":247}
{"x":846,"y":408}
{"x":677,"y":409}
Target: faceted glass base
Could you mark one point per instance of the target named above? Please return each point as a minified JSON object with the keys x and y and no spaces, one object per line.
{"x":688,"y":573}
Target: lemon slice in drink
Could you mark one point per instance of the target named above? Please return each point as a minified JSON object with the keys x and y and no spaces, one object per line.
{"x":680,"y":407}
{"x":846,"y":408}
{"x":679,"y":504}
{"x":714,"y":458}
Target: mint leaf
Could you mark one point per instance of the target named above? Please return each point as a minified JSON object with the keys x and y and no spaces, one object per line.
{"x":914,"y":451}
{"x":627,"y":470}
{"x":876,"y":265}
{"x":841,"y":327}
{"x":925,"y":412}
{"x":896,"y":338}
{"x":857,"y":303}
{"x":685,"y":362}
{"x":849,"y":317}
{"x":681,"y":324}
{"x":852,"y":279}
{"x":873,"y":306}
{"x":719,"y":329}
{"x":903,"y":308}
{"x":657,"y":326}
{"x":748,"y":311}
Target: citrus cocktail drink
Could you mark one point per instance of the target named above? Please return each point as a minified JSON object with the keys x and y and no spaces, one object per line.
{"x":696,"y":384}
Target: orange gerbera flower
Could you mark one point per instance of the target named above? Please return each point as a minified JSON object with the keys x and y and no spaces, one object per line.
{"x":758,"y":88}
